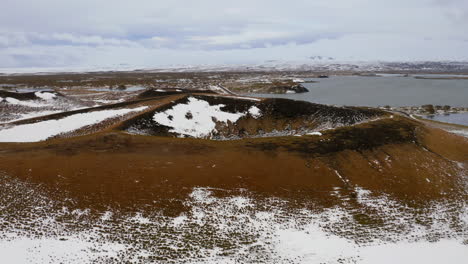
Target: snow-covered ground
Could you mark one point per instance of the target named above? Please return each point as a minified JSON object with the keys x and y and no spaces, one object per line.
{"x":74,"y":250}
{"x":13,"y":101}
{"x":45,"y":95}
{"x":460,"y":132}
{"x":46,"y":103}
{"x":45,"y":129}
{"x":239,"y":228}
{"x":197,"y":118}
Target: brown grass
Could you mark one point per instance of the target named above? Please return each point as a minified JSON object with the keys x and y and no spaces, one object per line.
{"x":117,"y":169}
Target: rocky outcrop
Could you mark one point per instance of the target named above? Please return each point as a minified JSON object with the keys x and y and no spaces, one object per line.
{"x":284,"y":88}
{"x":28,"y":95}
{"x":299,"y":88}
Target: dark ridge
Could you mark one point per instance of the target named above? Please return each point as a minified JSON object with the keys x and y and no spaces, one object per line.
{"x":154,"y":93}
{"x":280,"y":108}
{"x":25,"y":96}
{"x":298,"y":88}
{"x":277,"y":115}
{"x":357,"y":138}
{"x":285,"y":108}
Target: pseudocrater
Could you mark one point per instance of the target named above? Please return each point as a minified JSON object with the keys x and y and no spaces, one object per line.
{"x":223,"y":117}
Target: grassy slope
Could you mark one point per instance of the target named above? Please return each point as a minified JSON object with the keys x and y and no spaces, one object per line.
{"x":395,"y":156}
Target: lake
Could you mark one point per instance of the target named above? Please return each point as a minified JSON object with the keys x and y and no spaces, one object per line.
{"x":380,"y":91}
{"x":461,"y":118}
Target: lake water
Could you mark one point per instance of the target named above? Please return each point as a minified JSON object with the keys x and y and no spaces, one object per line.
{"x":381,"y":91}
{"x":461,"y":118}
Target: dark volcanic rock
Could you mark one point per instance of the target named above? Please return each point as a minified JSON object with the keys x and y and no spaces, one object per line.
{"x":299,"y":89}
{"x":282,"y":89}
{"x":163,"y":92}
{"x":25,"y":96}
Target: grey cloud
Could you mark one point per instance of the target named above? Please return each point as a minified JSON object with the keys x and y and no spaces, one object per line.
{"x":86,"y":31}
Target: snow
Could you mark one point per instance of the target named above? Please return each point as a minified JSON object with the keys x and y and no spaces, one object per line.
{"x":45,"y":95}
{"x":297,"y":80}
{"x":246,"y":98}
{"x":314,"y":134}
{"x":290,"y":92}
{"x":179,"y":220}
{"x":341,"y":177}
{"x":109,"y":101}
{"x":140,"y":219}
{"x":290,"y":242}
{"x":14,"y":101}
{"x":313,"y":245}
{"x":444,"y":251}
{"x":255,"y":111}
{"x":256,"y":233}
{"x":201,"y":124}
{"x":275,"y":65}
{"x":217,"y":88}
{"x":54,"y":250}
{"x":460,"y":132}
{"x":107,"y":216}
{"x":43,"y":130}
{"x":240,"y":202}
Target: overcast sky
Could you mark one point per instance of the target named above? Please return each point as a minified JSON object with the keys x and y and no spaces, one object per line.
{"x":66,"y":33}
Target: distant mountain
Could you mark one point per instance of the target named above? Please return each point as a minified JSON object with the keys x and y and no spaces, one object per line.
{"x":314,"y":64}
{"x":321,"y":58}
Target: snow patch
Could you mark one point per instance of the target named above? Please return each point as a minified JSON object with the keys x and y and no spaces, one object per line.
{"x":217,"y":89}
{"x":297,"y":80}
{"x":246,"y":98}
{"x":202,"y":118}
{"x":55,"y":250}
{"x":341,"y":177}
{"x":255,"y":111}
{"x":14,"y":101}
{"x":45,"y":95}
{"x":460,"y":132}
{"x":43,"y":130}
{"x":140,"y":219}
{"x":107,"y":216}
{"x":313,"y":245}
{"x":179,"y":220}
{"x":314,"y":134}
{"x":444,"y":251}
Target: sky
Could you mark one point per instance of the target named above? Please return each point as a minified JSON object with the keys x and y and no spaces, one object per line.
{"x":151,"y":33}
